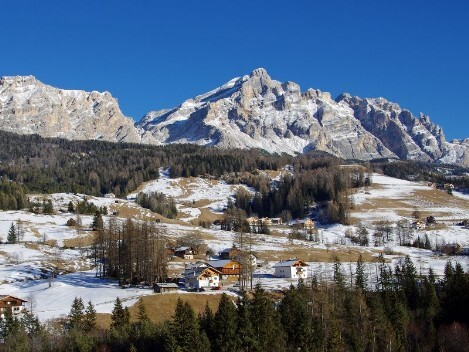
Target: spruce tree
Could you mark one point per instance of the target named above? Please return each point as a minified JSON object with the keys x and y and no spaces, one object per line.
{"x":142,"y":315}
{"x":120,"y":317}
{"x":47,"y":207}
{"x":224,"y":326}
{"x":206,"y":322}
{"x":245,"y":331}
{"x":184,"y":329}
{"x":76,"y":315}
{"x":97,"y":223}
{"x":339,"y":279}
{"x":297,"y":320}
{"x":89,"y":321}
{"x":11,"y":238}
{"x":268,"y":334}
{"x":360,"y":278}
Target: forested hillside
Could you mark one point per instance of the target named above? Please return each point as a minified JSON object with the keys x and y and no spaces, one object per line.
{"x":97,"y":167}
{"x":403,"y":312}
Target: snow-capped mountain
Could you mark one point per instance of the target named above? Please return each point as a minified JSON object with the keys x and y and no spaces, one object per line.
{"x":256,"y":111}
{"x":28,"y":106}
{"x":253,"y":111}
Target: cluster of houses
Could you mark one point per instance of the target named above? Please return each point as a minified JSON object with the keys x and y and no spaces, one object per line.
{"x":209,"y":275}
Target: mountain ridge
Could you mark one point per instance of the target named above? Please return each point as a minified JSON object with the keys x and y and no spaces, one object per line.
{"x":252,"y":111}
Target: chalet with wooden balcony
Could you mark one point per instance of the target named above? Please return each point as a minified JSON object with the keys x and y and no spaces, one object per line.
{"x":201,"y":277}
{"x":227,"y":267}
{"x":15,"y":304}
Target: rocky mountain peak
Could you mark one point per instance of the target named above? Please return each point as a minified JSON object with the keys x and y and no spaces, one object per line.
{"x":259,"y":72}
{"x":29,"y":106}
{"x":252,"y":111}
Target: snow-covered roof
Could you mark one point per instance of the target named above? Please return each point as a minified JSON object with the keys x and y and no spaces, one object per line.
{"x":183,"y":249}
{"x":290,"y":262}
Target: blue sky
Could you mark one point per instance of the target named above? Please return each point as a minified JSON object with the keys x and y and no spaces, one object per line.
{"x":155,"y":54}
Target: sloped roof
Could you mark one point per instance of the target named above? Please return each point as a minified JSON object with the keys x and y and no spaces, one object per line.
{"x":290,"y":263}
{"x":220,"y":263}
{"x":199,"y":270}
{"x":2,"y":297}
{"x":181,"y":249}
{"x":167,"y":285}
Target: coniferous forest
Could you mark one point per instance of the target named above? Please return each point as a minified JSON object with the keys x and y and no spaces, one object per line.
{"x":400,"y":311}
{"x":403,"y":311}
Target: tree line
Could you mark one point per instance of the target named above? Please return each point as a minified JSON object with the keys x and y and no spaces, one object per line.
{"x":51,"y":165}
{"x":292,"y":195}
{"x":405,"y":311}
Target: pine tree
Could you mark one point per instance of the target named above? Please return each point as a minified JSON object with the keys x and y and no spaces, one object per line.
{"x":268,"y":335}
{"x":206,"y":322}
{"x":11,"y":238}
{"x":360,"y":279}
{"x":297,"y":320}
{"x":120,"y":317}
{"x":184,"y":329}
{"x":245,"y":331}
{"x":76,"y":315}
{"x":89,"y":321}
{"x":97,"y":223}
{"x":224,"y":326}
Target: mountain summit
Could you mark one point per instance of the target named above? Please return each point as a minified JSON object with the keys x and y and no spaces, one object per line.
{"x":29,"y":106}
{"x":253,"y":111}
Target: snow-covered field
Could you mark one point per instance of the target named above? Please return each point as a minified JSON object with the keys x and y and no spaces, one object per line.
{"x":187,"y":191}
{"x":25,"y":267}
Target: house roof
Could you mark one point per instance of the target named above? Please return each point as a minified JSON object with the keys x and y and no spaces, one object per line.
{"x":192,"y":266}
{"x":2,"y":297}
{"x":199,"y":270}
{"x":181,"y":249}
{"x":167,"y":285}
{"x":220,"y":263}
{"x":290,"y":263}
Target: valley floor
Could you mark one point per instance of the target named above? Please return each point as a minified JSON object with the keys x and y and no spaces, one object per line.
{"x":49,"y":246}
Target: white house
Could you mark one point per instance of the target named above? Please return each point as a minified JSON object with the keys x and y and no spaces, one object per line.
{"x":202,"y":277}
{"x":15,"y":304}
{"x":292,"y":268}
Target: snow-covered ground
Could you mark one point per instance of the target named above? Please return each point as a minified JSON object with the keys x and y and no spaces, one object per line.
{"x":191,"y":190}
{"x":25,"y":267}
{"x":54,"y":299}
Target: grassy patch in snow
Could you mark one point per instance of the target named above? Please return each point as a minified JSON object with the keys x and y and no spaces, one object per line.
{"x":160,"y":307}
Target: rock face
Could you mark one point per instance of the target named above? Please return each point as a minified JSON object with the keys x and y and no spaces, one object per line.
{"x":257,"y":112}
{"x":253,"y":111}
{"x":410,"y":138}
{"x":28,"y":106}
